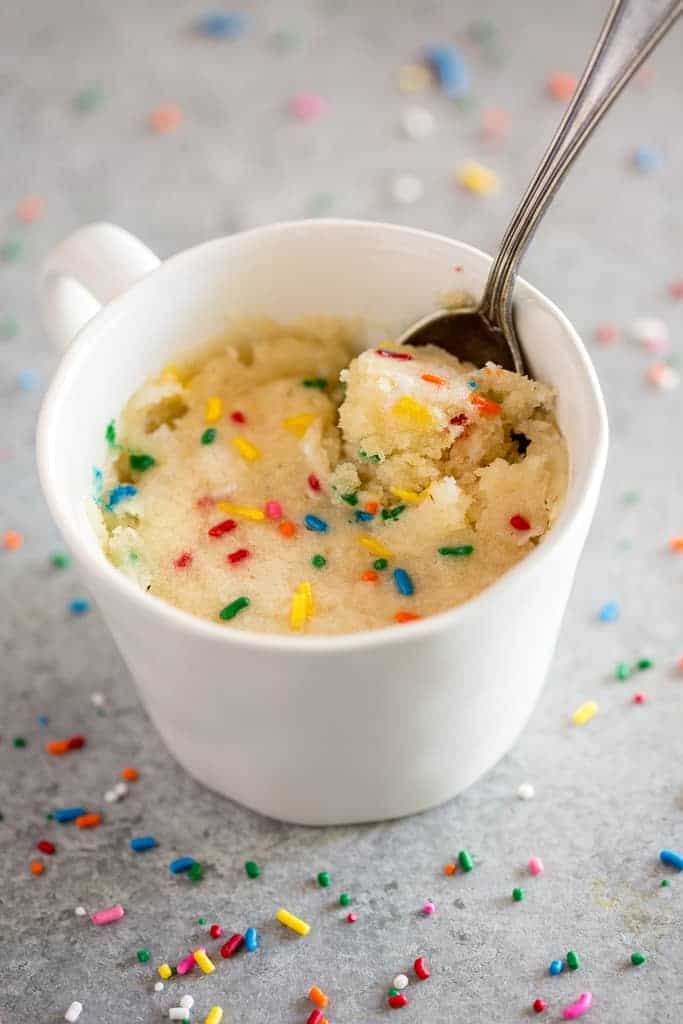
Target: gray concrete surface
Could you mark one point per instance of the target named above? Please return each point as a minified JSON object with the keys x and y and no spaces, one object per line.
{"x":608,"y":796}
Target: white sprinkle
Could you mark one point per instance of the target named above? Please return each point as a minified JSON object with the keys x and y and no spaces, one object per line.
{"x":110,"y":796}
{"x":158,"y":986}
{"x":80,"y":911}
{"x":74,"y":1011}
{"x":406,"y":188}
{"x":400,"y":981}
{"x":179,"y":1013}
{"x":417,"y":122}
{"x":97,"y":699}
{"x":187,"y":1001}
{"x":649,"y":331}
{"x":121,"y":789}
{"x":526,"y":791}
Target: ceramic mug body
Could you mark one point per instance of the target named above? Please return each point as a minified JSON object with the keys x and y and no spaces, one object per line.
{"x":316,"y":730}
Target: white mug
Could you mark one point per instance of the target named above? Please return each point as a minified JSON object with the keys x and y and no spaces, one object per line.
{"x":316,"y":730}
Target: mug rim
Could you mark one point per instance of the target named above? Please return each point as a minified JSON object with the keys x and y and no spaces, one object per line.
{"x":115,"y":580}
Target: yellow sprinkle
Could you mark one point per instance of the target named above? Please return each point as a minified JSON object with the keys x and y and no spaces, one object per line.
{"x":165,"y":971}
{"x":214,"y":1016}
{"x":412,"y":497}
{"x":307,"y":591}
{"x":214,"y":410}
{"x":295,"y":923}
{"x":414,"y":78}
{"x":203,"y":961}
{"x":584,"y":713}
{"x":408,"y":409}
{"x":246,"y":449}
{"x":241,"y":510}
{"x":375,"y":547}
{"x":298,"y":424}
{"x":477,"y":178}
{"x":299,"y":610}
{"x":172,"y":372}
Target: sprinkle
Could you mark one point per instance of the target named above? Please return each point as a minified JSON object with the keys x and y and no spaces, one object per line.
{"x":88,"y":820}
{"x":397,"y":1001}
{"x":12,"y":540}
{"x":639,"y":697}
{"x":476,"y":178}
{"x":538,"y":1005}
{"x":89,"y":99}
{"x":119,"y":494}
{"x":315,"y":382}
{"x":494,"y":124}
{"x":80,"y":911}
{"x":585,"y":712}
{"x":370,"y":576}
{"x":647,"y":158}
{"x":298,"y":425}
{"x":79,"y":606}
{"x":350,"y":499}
{"x":517,"y":894}
{"x":37,"y":867}
{"x":345,"y":899}
{"x":183,"y":560}
{"x":421,"y":969}
{"x":519,"y":522}
{"x":252,"y":869}
{"x":187,"y":1001}
{"x":316,"y":1017}
{"x":181,"y":864}
{"x":129,"y":774}
{"x":74,"y":1012}
{"x":403,"y":582}
{"x":351,"y":918}
{"x":159,"y":986}
{"x":238,"y":556}
{"x":428,"y":908}
{"x":244,"y":511}
{"x":676,"y":288}
{"x":406,"y":188}
{"x":12,"y":250}
{"x":417,"y":122}
{"x":573,"y":960}
{"x":287,"y":529}
{"x":230,"y":947}
{"x":412,"y":497}
{"x":413,"y":412}
{"x":246,"y":449}
{"x":526,"y":791}
{"x":215,"y":931}
{"x":637,"y":959}
{"x":650,"y":332}
{"x":295,"y":923}
{"x":485,"y":406}
{"x":318,"y":561}
{"x":450,"y":868}
{"x":56,"y":747}
{"x":30,"y":208}
{"x":203,"y":961}
{"x":66,"y":814}
{"x":465,"y":860}
{"x":178,"y":1013}
{"x":141,"y":462}
{"x":675,"y":544}
{"x":375,"y":547}
{"x":114,"y":913}
{"x":251,"y":940}
{"x":45,"y":846}
{"x":400,"y":981}
{"x":324,"y":879}
{"x":313,"y":482}
{"x":403,"y":616}
{"x":214,"y":410}
{"x":579,"y":1007}
{"x":185,"y":965}
{"x":556,"y":967}
{"x":458,"y":551}
{"x":214,"y":1016}
{"x":606,"y":332}
{"x":238,"y":417}
{"x":28,"y":380}
{"x":219,"y":529}
{"x":273,"y":510}
{"x":561,"y":85}
{"x":299,"y":610}
{"x":389,"y":353}
{"x":166,"y":118}
{"x":609,"y":612}
{"x":414,"y":78}
{"x":315,"y":524}
{"x":372,"y":507}
{"x":450,"y":69}
{"x":664,"y":376}
{"x":306,"y":106}
{"x":669,"y":857}
{"x":196,"y":872}
{"x":535,"y":866}
{"x":221,"y":24}
{"x":141,"y":843}
{"x":379,"y":564}
{"x":164,"y":971}
{"x":317,"y":996}
{"x":18,"y":742}
{"x":209,"y":436}
{"x":143,"y":955}
{"x":622,"y":671}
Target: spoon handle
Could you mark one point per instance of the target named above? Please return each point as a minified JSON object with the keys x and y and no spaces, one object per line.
{"x":631,"y":31}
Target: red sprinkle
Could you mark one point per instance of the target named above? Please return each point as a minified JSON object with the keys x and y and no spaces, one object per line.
{"x":238,"y":417}
{"x":351,"y":918}
{"x":76,"y":742}
{"x":183,"y":560}
{"x":396,"y":1002}
{"x":45,"y":846}
{"x":459,"y":420}
{"x":238,"y":556}
{"x":518,"y":522}
{"x":313,"y":482}
{"x":316,"y":1017}
{"x":388,"y":354}
{"x":539,"y":1005}
{"x":639,"y":697}
{"x":220,"y":528}
{"x":215,"y":931}
{"x":421,"y":968}
{"x":232,"y":945}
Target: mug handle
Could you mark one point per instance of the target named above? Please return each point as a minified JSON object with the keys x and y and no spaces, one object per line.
{"x":85,"y":271}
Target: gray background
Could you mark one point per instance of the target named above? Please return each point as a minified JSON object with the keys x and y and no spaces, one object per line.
{"x":608,"y":796}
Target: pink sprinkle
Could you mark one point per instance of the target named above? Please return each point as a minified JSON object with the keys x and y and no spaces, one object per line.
{"x":313,"y":482}
{"x":188,"y":962}
{"x":428,"y":908}
{"x":30,"y":208}
{"x":107,"y":916}
{"x":578,"y":1008}
{"x":659,"y":346}
{"x":676,"y":289}
{"x":606,"y":332}
{"x":307,"y":106}
{"x":238,"y":556}
{"x":238,"y":417}
{"x":351,"y":918}
{"x":274,"y":510}
{"x":389,"y":354}
{"x":639,"y":697}
{"x":535,"y":866}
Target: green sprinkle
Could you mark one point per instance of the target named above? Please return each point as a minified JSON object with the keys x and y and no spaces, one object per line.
{"x":324,"y":879}
{"x":637,"y":959}
{"x":231,"y":610}
{"x":392,"y":992}
{"x":89,"y":99}
{"x":110,"y":433}
{"x":19,"y":742}
{"x":665,"y":881}
{"x":9,"y":327}
{"x":315,"y":382}
{"x":460,"y":549}
{"x":345,"y":899}
{"x":49,"y":816}
{"x":209,"y":435}
{"x":644,"y":663}
{"x":622,"y":671}
{"x":201,"y":920}
{"x":144,"y":955}
{"x":141,"y":462}
{"x":393,"y":513}
{"x":318,"y":561}
{"x":60,"y":560}
{"x":517,"y":894}
{"x":196,"y":872}
{"x":350,"y":499}
{"x":12,"y":250}
{"x":379,"y":564}
{"x":368,"y":458}
{"x":133,"y":556}
{"x":252,"y":869}
{"x":465,"y":860}
{"x":573,"y":962}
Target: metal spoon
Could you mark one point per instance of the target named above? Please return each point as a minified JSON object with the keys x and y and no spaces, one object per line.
{"x":487,"y":332}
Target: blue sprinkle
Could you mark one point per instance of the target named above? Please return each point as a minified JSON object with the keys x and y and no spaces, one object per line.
{"x":181,"y":864}
{"x":97,"y":485}
{"x":609,"y":611}
{"x":68,"y":814}
{"x":143,"y":843}
{"x":79,"y":606}
{"x":647,"y":158}
{"x":669,"y":857}
{"x":472,"y":384}
{"x":315,"y":524}
{"x":363,"y":517}
{"x":119,"y":494}
{"x":403,"y":582}
{"x":251,"y":940}
{"x":450,"y":68}
{"x":222,"y":24}
{"x":28,"y":380}
{"x":43,"y":719}
{"x":556,"y":967}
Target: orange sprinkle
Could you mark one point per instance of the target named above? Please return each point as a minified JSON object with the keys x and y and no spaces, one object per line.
{"x":372,"y":507}
{"x":30,"y":208}
{"x":88,"y":820}
{"x":485,"y":406}
{"x":129,"y":774}
{"x":166,"y":118}
{"x":370,"y":576}
{"x":561,"y":85}
{"x":37,"y":867}
{"x":432,"y":378}
{"x":676,"y":543}
{"x":406,"y":617}
{"x":287,"y":529}
{"x":12,"y":540}
{"x":56,"y":747}
{"x":450,"y":868}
